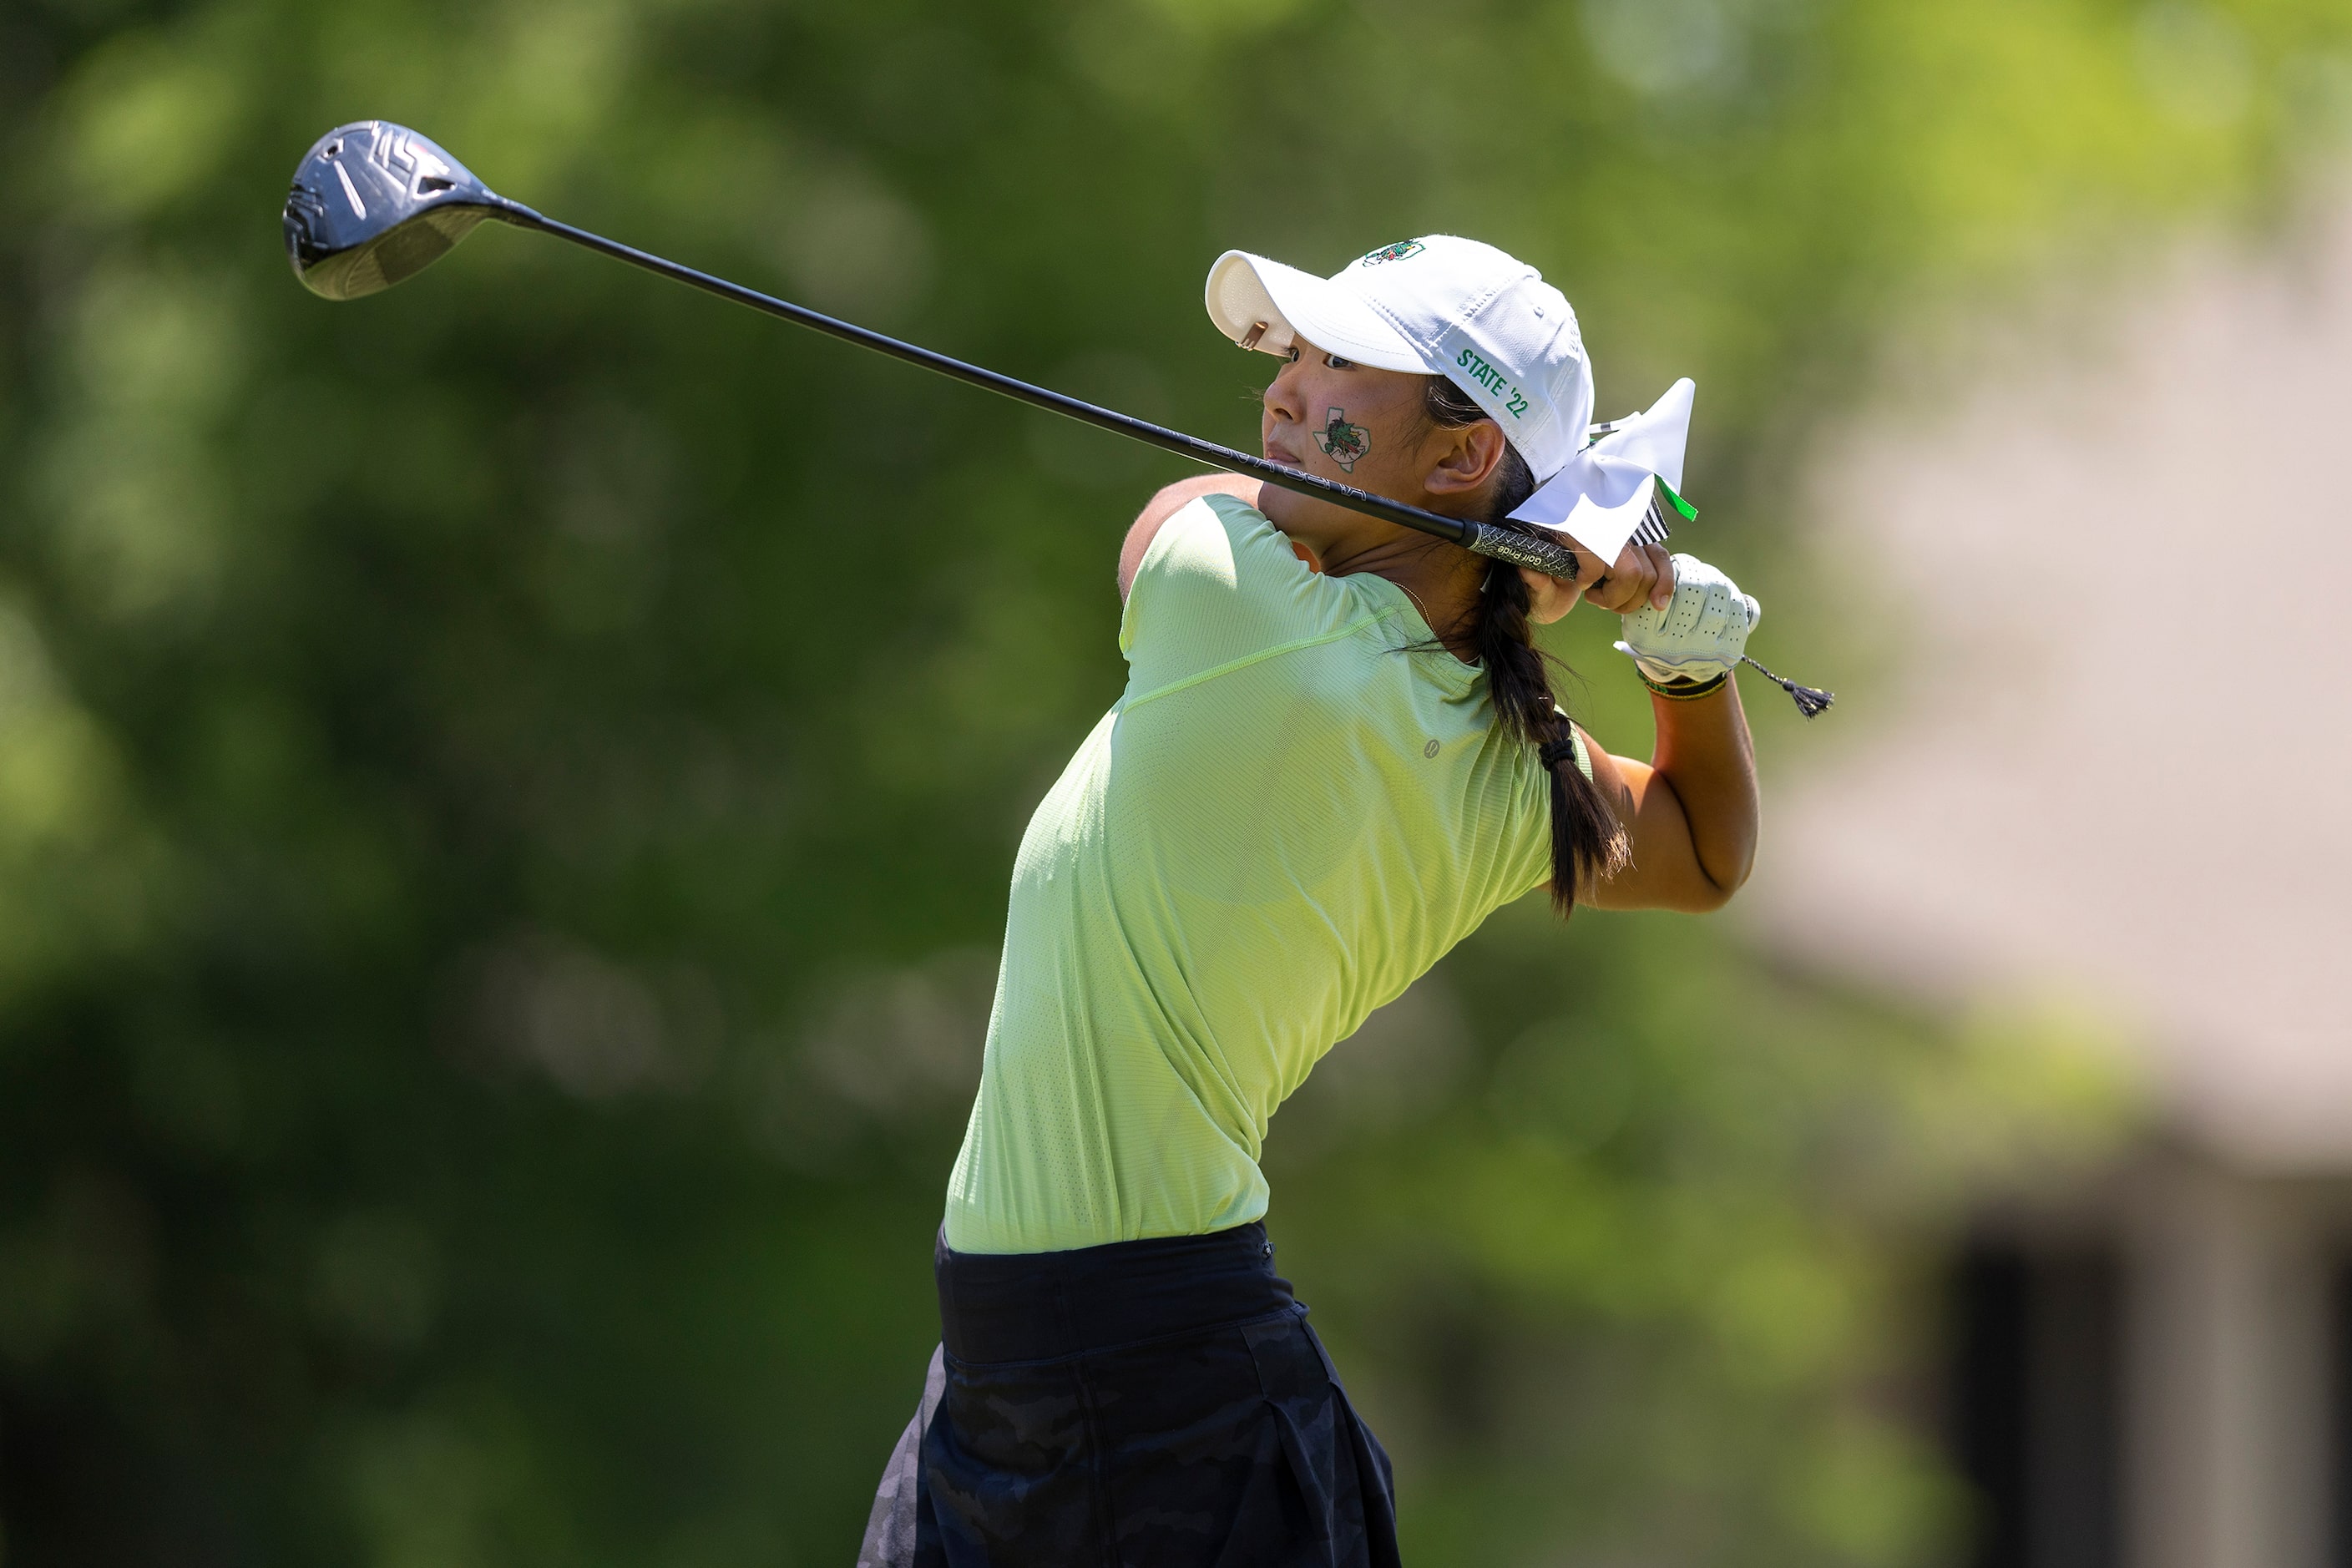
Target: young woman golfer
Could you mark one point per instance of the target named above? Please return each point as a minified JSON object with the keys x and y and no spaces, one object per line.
{"x":1337,"y":753}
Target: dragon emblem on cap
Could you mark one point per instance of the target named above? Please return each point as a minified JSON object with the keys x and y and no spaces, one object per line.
{"x":1397,"y":252}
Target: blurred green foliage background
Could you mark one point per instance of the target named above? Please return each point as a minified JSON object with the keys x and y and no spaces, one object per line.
{"x":506,"y":788}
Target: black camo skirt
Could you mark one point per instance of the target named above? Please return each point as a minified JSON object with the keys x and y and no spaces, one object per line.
{"x":1154,"y":1404}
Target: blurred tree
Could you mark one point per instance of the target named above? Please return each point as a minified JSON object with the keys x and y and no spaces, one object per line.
{"x":498,"y":880}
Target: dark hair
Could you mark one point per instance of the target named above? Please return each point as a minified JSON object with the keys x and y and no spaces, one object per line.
{"x":1586,"y":839}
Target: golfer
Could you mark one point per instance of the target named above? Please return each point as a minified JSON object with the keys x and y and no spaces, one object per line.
{"x":1337,"y":753}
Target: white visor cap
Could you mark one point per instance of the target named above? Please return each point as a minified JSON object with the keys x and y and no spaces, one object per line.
{"x":1439,"y":305}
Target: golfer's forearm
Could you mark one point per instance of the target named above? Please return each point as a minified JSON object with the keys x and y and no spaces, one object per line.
{"x":1704,"y":753}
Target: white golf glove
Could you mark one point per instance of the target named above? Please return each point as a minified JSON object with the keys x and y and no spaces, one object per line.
{"x":1697,"y":637}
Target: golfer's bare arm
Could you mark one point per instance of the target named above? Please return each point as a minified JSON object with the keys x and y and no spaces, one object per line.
{"x":1166,"y":504}
{"x":1690,"y":811}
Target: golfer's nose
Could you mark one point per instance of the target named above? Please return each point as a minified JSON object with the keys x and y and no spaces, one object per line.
{"x":1282,"y":394}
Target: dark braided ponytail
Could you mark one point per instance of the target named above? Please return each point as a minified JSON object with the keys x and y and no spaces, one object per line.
{"x":1587,"y":842}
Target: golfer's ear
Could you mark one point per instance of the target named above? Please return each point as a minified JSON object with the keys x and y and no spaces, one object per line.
{"x":1474,"y":452}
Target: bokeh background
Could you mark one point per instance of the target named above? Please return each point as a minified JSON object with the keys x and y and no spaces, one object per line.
{"x":506,"y":788}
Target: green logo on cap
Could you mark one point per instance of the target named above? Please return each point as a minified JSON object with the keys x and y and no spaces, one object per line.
{"x":1397,"y":252}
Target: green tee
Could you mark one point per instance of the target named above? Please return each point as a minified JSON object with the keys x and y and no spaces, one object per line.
{"x":1299,"y":804}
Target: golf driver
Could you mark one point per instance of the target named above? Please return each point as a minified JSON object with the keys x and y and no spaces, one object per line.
{"x":374,"y":204}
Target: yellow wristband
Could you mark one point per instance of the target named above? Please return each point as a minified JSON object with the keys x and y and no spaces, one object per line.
{"x":1686,"y":690}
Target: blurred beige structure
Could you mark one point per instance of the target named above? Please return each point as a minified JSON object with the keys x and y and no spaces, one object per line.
{"x":2117,"y":765}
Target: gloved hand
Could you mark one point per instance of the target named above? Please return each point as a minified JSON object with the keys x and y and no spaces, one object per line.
{"x":1697,"y":637}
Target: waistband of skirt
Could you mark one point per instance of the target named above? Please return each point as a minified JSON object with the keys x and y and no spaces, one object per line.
{"x":1043,"y":1306}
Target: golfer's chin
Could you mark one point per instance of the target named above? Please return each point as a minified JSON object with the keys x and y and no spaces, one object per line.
{"x":1314,"y":528}
{"x":1322,"y":527}
{"x":1288,"y":510}
{"x":1275,"y":452}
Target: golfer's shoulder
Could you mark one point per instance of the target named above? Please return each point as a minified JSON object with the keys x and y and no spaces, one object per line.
{"x":1214,"y":543}
{"x":1177,"y":512}
{"x":1215,"y":558}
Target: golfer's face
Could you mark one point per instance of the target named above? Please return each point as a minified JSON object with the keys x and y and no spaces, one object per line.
{"x":1344,"y":421}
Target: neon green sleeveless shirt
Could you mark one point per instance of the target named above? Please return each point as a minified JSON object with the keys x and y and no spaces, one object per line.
{"x":1292,"y":812}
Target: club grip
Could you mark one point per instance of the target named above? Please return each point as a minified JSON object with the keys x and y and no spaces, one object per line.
{"x":1520,"y":550}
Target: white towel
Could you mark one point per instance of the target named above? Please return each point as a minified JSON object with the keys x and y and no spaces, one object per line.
{"x":1607,"y":496}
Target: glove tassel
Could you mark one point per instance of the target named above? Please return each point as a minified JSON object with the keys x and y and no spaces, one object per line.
{"x":1809,"y":700}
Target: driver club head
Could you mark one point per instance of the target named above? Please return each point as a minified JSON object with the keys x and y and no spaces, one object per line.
{"x":374,"y":204}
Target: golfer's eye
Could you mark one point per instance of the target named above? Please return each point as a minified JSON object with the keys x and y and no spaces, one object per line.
{"x":1290,"y":355}
{"x":1336,"y":363}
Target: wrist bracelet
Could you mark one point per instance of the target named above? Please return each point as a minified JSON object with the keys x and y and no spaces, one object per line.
{"x":1683,"y":688}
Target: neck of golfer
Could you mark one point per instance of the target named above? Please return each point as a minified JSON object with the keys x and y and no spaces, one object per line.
{"x":1442,"y":580}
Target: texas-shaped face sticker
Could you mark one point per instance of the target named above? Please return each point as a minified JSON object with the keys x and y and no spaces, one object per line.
{"x":1343,"y":443}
